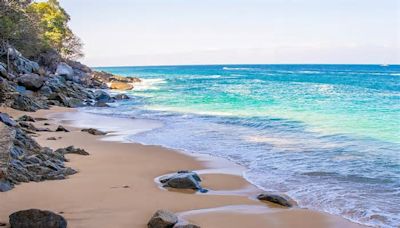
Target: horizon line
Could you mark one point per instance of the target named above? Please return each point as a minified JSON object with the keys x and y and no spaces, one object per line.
{"x":252,"y":64}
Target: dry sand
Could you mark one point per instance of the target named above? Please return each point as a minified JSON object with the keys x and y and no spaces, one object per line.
{"x":116,"y":187}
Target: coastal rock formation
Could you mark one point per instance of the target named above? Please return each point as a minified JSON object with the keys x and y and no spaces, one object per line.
{"x":22,"y":159}
{"x":93,"y":131}
{"x":35,"y":218}
{"x":282,"y":200}
{"x":183,"y":180}
{"x":162,"y":219}
{"x":65,"y":71}
{"x":121,"y":86}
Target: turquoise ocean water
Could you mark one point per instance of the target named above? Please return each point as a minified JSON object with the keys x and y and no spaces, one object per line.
{"x":327,"y":135}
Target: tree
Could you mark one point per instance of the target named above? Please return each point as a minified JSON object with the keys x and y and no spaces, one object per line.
{"x":18,"y":28}
{"x":53,"y":20}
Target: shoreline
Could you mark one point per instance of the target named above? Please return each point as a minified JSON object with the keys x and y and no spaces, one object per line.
{"x":96,"y":196}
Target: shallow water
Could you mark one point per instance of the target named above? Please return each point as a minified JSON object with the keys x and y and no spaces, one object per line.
{"x":327,"y":135}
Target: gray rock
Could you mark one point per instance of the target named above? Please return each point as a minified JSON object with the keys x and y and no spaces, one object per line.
{"x":93,"y":131}
{"x":61,"y":128}
{"x":183,"y":180}
{"x":3,"y":71}
{"x":35,"y":218}
{"x":52,"y":138}
{"x":25,"y":103}
{"x":26,"y":118}
{"x":121,"y":96}
{"x":72,"y":150}
{"x":65,"y":71}
{"x":5,"y":118}
{"x":102,"y":96}
{"x":101,"y":104}
{"x":5,"y":186}
{"x":162,"y":219}
{"x":31,"y":81}
{"x":277,"y":199}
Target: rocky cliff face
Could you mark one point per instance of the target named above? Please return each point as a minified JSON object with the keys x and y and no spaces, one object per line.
{"x":28,"y":85}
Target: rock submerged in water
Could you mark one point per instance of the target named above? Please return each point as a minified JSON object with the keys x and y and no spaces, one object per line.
{"x":277,"y":199}
{"x":34,"y":218}
{"x":93,"y":131}
{"x":162,"y":219}
{"x":183,"y":180}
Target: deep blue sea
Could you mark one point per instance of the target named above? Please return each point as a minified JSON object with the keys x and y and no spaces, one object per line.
{"x":326,"y":135}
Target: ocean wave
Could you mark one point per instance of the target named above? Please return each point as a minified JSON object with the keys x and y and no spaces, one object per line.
{"x":239,"y":68}
{"x":149,"y":84}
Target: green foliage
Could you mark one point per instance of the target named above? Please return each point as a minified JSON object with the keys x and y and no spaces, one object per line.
{"x":39,"y":25}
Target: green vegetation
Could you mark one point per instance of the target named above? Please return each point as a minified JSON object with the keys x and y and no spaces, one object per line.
{"x":35,"y":27}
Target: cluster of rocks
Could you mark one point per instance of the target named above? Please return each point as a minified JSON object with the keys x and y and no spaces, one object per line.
{"x":28,"y":85}
{"x":167,"y":219}
{"x":22,"y":159}
{"x":183,"y":180}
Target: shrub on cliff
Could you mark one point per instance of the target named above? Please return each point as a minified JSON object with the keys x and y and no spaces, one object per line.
{"x":37,"y":27}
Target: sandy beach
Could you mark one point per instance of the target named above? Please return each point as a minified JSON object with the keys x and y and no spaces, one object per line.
{"x":116,"y":187}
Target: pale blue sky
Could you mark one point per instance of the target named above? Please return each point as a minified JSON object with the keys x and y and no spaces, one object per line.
{"x":166,"y":32}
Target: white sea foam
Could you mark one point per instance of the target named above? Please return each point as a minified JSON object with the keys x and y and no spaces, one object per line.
{"x":148,"y":84}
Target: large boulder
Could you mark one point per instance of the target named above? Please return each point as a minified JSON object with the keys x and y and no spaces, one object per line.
{"x":31,"y":81}
{"x":65,"y":71}
{"x":162,"y":219}
{"x":183,"y":180}
{"x":35,"y":218}
{"x":121,"y":86}
{"x":282,"y":200}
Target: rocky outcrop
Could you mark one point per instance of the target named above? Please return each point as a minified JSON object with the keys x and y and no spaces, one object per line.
{"x":93,"y":131}
{"x":183,"y":180}
{"x":162,"y":219}
{"x":35,"y":218}
{"x":121,"y":86}
{"x":22,"y":159}
{"x":282,"y":200}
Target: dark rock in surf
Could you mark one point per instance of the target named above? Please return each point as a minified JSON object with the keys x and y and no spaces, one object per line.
{"x":277,"y":199}
{"x":183,"y":180}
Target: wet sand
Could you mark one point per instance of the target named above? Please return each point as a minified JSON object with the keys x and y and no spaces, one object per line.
{"x":116,"y":186}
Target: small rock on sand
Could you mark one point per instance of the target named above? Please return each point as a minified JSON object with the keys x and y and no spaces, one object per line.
{"x":162,"y":219}
{"x":62,"y":128}
{"x":93,"y":131}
